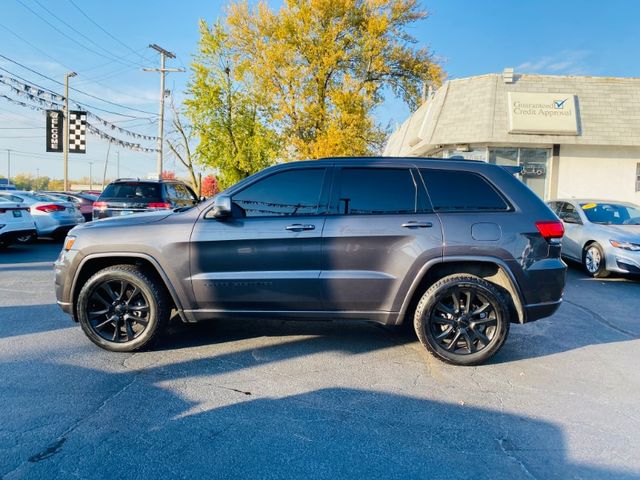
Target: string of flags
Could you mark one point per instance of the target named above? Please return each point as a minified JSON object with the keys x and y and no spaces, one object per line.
{"x":34,"y":94}
{"x":49,"y":100}
{"x":92,"y":129}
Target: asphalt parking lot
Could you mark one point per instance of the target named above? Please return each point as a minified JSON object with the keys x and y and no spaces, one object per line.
{"x":271,"y":399}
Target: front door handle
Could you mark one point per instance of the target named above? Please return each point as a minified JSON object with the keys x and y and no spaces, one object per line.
{"x":298,"y":227}
{"x":417,"y":225}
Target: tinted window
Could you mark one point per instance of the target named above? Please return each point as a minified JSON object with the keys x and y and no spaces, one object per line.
{"x":135,"y":190}
{"x":457,"y":191}
{"x":185,"y":193}
{"x":294,"y":192}
{"x":370,"y":191}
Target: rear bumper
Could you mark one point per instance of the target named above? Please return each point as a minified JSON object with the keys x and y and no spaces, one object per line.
{"x":537,"y":311}
{"x":10,"y":237}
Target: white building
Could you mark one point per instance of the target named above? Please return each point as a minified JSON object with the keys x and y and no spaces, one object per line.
{"x":574,"y":136}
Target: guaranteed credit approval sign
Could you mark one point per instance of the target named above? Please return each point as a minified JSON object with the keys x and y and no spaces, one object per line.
{"x":542,"y":113}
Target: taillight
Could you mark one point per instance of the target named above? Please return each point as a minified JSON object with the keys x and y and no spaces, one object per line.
{"x":550,"y":229}
{"x":50,"y":208}
{"x":159,"y":205}
{"x":99,"y":204}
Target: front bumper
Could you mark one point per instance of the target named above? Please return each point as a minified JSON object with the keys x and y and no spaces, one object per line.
{"x":62,"y":279}
{"x":622,"y":261}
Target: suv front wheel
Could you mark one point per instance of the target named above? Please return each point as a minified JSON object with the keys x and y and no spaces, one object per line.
{"x":122,"y":308}
{"x":462,"y":319}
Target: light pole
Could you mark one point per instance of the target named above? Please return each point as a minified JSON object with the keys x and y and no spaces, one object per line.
{"x":163,"y":71}
{"x":9,"y":166}
{"x":65,"y":147}
{"x":90,"y":175}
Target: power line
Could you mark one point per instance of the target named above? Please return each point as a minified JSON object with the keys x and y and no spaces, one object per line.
{"x":104,"y":30}
{"x":61,"y":32}
{"x":77,"y":90}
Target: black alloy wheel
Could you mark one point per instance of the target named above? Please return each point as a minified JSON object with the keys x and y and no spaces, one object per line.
{"x":462,"y":319}
{"x":122,"y":308}
{"x":118,"y":311}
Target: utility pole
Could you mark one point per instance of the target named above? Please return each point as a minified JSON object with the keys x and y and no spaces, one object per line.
{"x":9,"y":165}
{"x":163,"y":71}
{"x":90,"y":175}
{"x":118,"y":165}
{"x":65,"y":146}
{"x":37,"y":179}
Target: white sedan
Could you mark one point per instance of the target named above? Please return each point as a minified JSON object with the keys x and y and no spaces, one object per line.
{"x":16,"y":223}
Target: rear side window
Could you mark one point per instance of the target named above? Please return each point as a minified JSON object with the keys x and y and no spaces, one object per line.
{"x":132,"y":190}
{"x":457,"y":191}
{"x":293,"y":192}
{"x":377,"y":191}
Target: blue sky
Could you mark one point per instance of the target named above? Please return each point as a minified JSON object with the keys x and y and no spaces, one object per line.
{"x":469,"y":37}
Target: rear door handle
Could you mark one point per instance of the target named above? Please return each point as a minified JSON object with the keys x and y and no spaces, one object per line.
{"x":298,"y":227}
{"x":417,"y":225}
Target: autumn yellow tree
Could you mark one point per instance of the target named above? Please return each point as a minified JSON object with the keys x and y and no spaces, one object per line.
{"x":315,"y":70}
{"x":323,"y":65}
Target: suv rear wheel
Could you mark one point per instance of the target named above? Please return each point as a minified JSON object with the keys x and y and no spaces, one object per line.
{"x":122,"y":308}
{"x":462,"y":319}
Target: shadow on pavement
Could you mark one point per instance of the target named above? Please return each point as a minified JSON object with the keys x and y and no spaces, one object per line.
{"x":146,"y":424}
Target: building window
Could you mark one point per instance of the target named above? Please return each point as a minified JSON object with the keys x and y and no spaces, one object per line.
{"x":534,"y":163}
{"x":638,"y":177}
{"x":479,"y":153}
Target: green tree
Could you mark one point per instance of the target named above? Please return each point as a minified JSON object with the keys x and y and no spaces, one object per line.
{"x":226,"y":113}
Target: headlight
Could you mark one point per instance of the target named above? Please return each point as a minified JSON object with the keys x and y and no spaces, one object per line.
{"x":68,"y":243}
{"x":634,"y":247}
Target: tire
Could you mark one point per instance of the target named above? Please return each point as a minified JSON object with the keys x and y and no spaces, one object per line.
{"x":593,"y":261}
{"x":454,"y":333}
{"x":122,"y":308}
{"x":25,"y":239}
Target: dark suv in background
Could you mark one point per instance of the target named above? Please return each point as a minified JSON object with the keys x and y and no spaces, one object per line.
{"x":132,"y":195}
{"x":459,"y":248}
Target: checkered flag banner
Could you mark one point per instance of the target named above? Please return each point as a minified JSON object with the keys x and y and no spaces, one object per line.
{"x":77,"y":131}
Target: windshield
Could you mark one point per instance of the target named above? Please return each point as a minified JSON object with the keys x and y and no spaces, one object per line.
{"x":612,"y":213}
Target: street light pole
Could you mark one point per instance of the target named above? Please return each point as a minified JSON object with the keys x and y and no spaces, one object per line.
{"x":9,"y":166}
{"x":65,"y":146}
{"x":163,"y":71}
{"x":90,"y":175}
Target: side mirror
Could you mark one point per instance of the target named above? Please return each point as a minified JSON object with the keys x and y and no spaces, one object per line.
{"x":202,"y":199}
{"x":221,"y":207}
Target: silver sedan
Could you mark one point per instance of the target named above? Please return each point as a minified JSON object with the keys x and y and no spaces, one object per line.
{"x":53,"y":217}
{"x":603,"y":235}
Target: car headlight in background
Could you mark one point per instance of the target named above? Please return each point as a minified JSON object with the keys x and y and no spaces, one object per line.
{"x":634,"y":247}
{"x":68,"y":243}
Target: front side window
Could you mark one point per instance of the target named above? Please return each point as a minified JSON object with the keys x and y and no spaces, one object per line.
{"x":458,"y":191}
{"x":293,"y":192}
{"x":377,"y":191}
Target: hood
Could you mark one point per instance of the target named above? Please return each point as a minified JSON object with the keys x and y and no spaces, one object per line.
{"x":127,"y":220}
{"x":624,"y":232}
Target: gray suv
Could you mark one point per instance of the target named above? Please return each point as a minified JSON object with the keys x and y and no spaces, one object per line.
{"x":459,"y":248}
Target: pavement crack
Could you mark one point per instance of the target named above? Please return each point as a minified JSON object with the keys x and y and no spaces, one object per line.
{"x":50,"y":451}
{"x":507,"y":448}
{"x":599,"y":318}
{"x":234,"y":390}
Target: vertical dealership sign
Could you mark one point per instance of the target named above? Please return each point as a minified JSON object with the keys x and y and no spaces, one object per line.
{"x":55,"y":132}
{"x":77,"y":131}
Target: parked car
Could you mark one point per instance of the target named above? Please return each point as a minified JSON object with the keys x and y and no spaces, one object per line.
{"x":126,"y":196}
{"x":603,"y":235}
{"x":16,"y":223}
{"x":459,"y":248}
{"x":52,"y":217}
{"x":82,"y":201}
